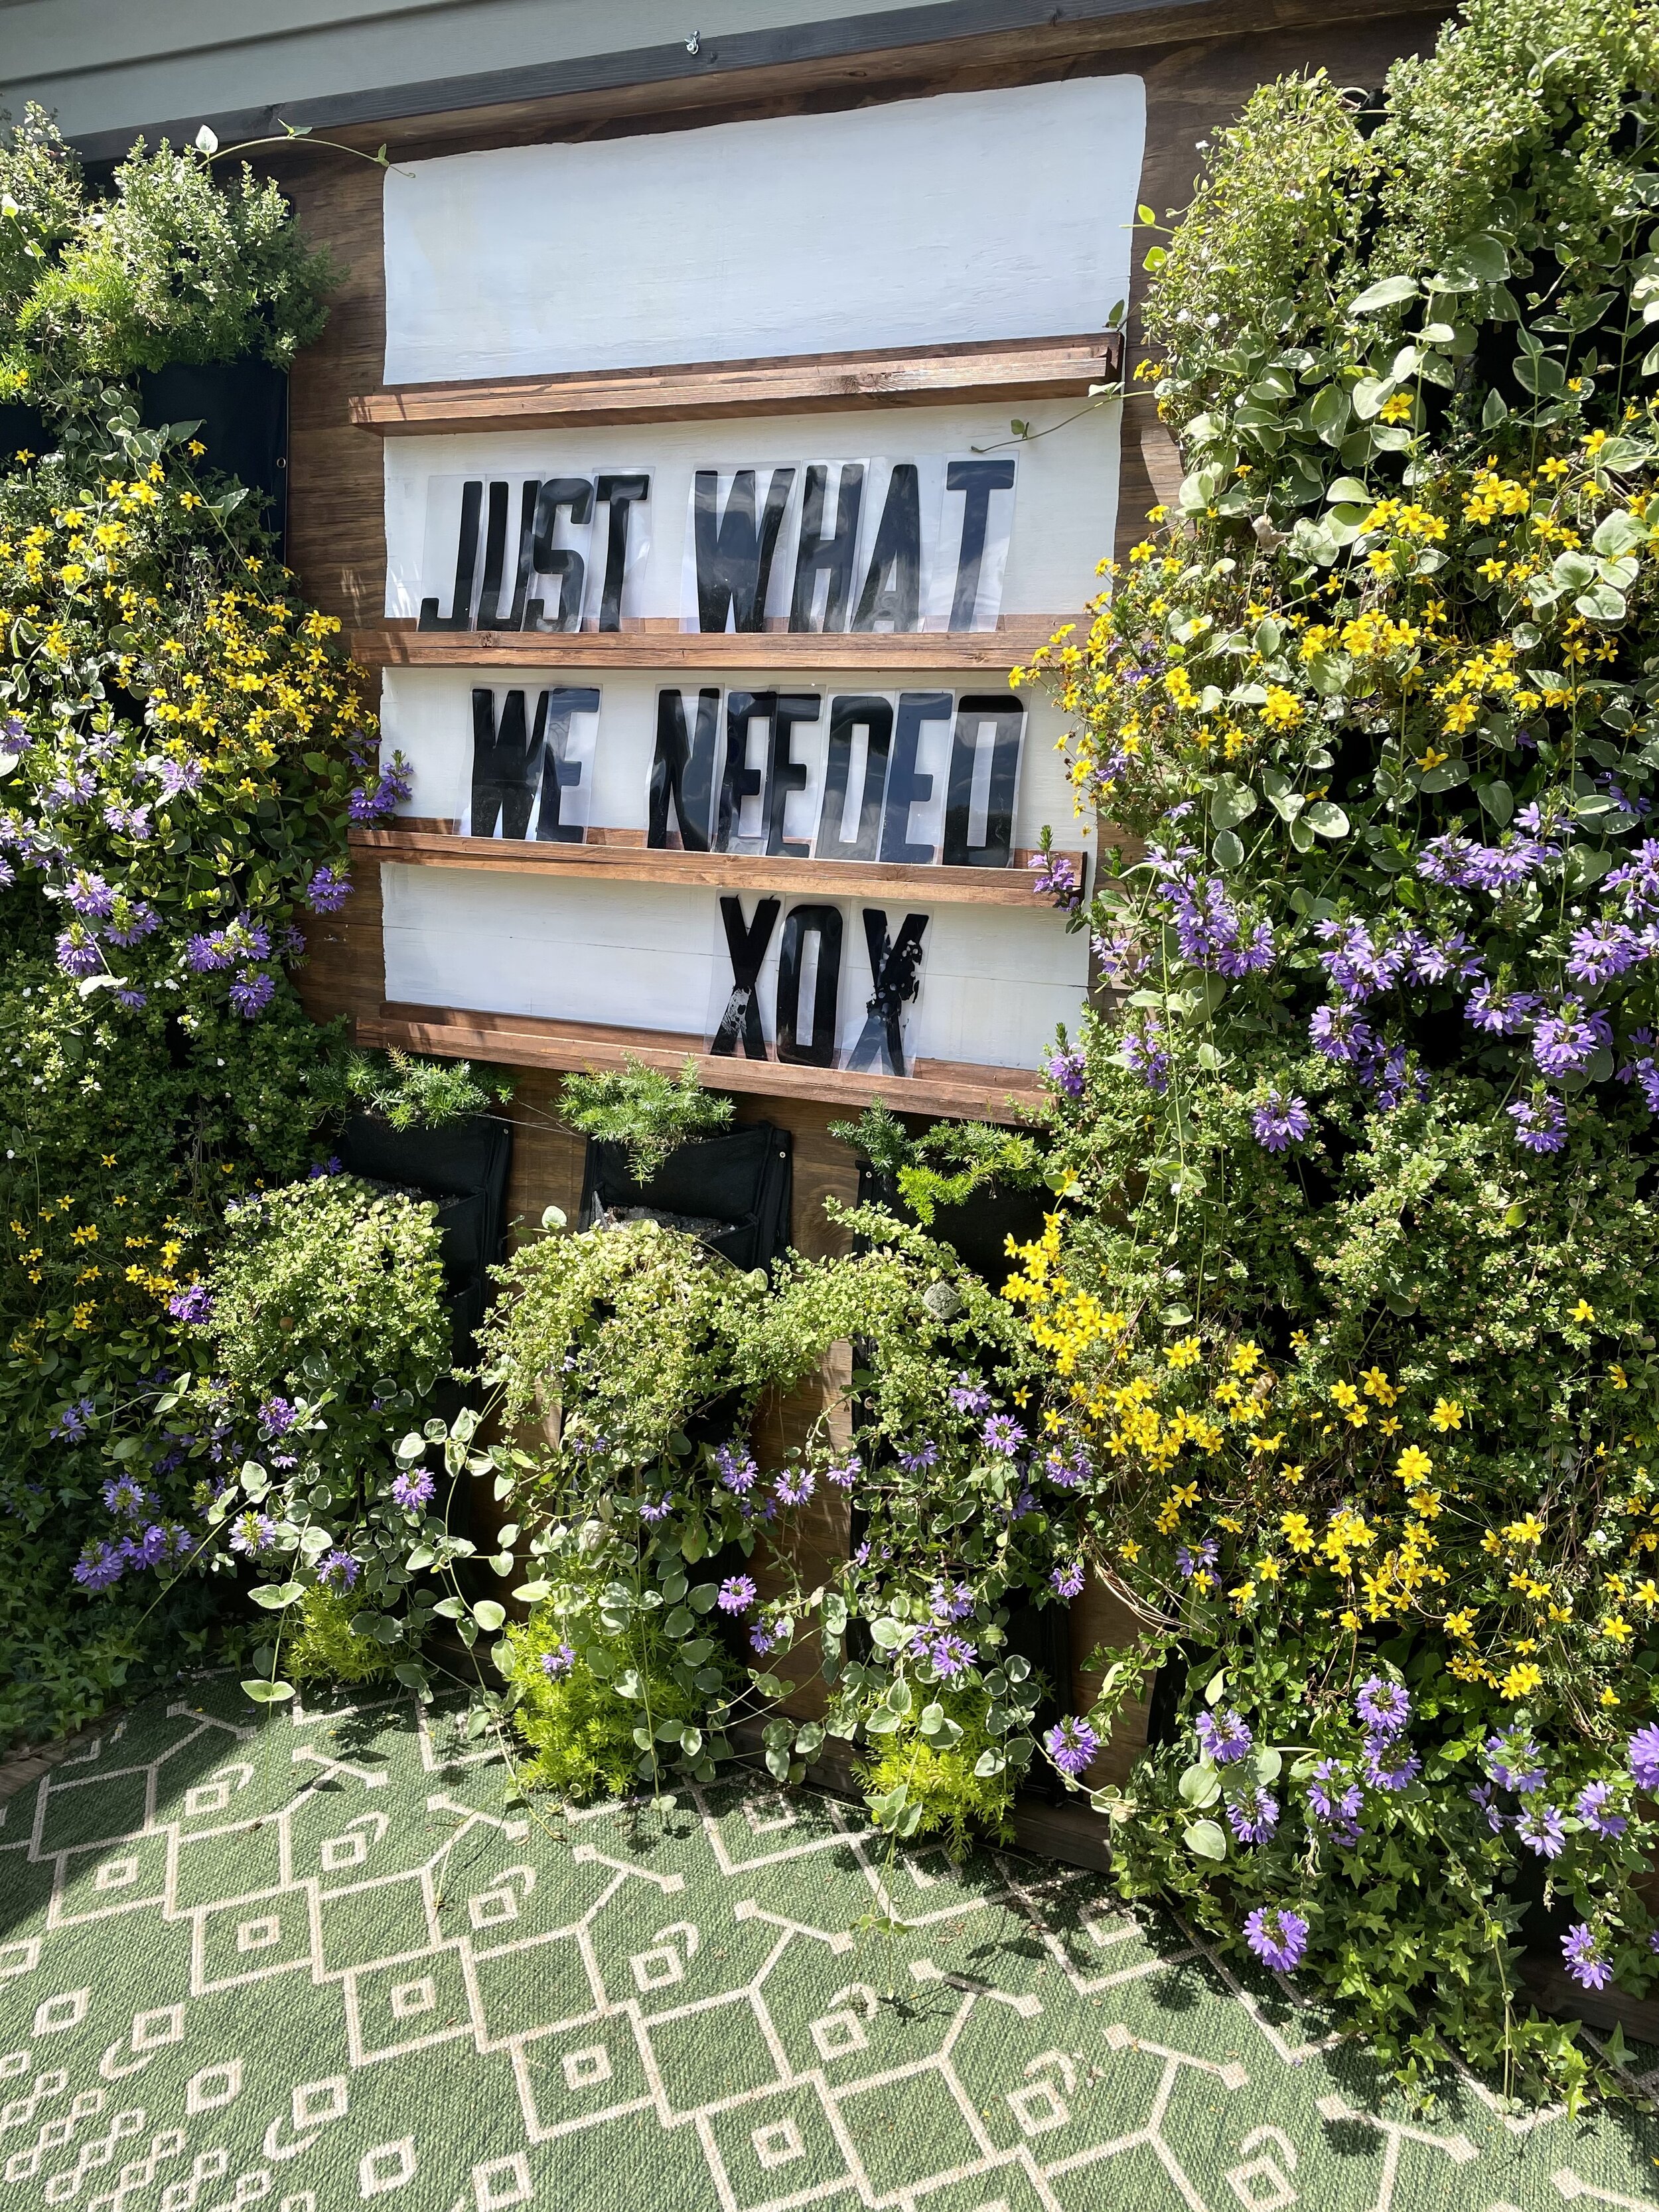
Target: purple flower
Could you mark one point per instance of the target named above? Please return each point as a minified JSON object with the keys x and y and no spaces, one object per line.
{"x":1499,"y":1011}
{"x":1450,"y":959}
{"x":919,"y":1462}
{"x":1057,"y":879}
{"x":327,"y":893}
{"x":129,"y":1498}
{"x":1065,"y":1069}
{"x":794,"y":1489}
{"x":71,"y":1424}
{"x":251,"y":1534}
{"x":1539,"y":1829}
{"x":150,"y":1549}
{"x":654,"y":1510}
{"x":1563,"y":1041}
{"x":1280,"y":1121}
{"x":1591,"y":1804}
{"x":128,"y":821}
{"x":1223,"y":1736}
{"x":91,"y":898}
{"x":761,"y":1641}
{"x":413,"y":1489}
{"x":336,"y":1570}
{"x":1067,"y":1581}
{"x":967,"y":1397}
{"x":1338,"y":1033}
{"x":191,"y":1305}
{"x":736,"y":1469}
{"x":1192,"y":1559}
{"x":844,"y":1473}
{"x":98,"y":1566}
{"x":1385,"y":1707}
{"x":204,"y":955}
{"x":1254,"y":1817}
{"x":1065,"y":1473}
{"x":558,"y":1662}
{"x":948,"y":1654}
{"x":950,"y":1600}
{"x":252,"y":992}
{"x":1540,"y":1124}
{"x":736,"y":1594}
{"x":1601,"y":951}
{"x":1513,"y":1763}
{"x":1279,"y":1937}
{"x":1145,"y":1055}
{"x":1357,"y":967}
{"x":1644,"y":1070}
{"x":1073,"y":1745}
{"x":365,"y":806}
{"x":1002,"y":1433}
{"x":1583,"y":1952}
{"x":1643,"y":1751}
{"x":1334,"y":1799}
{"x":134,"y":1001}
{"x":1390,"y":1763}
{"x":175,"y":776}
{"x":77,"y":955}
{"x":277,"y":1416}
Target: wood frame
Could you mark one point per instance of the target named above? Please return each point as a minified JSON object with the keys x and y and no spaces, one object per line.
{"x":621,"y":856}
{"x":853,"y":653}
{"x":790,"y":383}
{"x":939,"y":1086}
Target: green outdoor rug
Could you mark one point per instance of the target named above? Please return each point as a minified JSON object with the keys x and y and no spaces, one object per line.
{"x":315,"y":1960}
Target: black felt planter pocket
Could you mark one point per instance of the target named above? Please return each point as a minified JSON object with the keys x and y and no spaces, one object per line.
{"x":734,"y":1192}
{"x":978,"y":1230}
{"x":242,"y":407}
{"x":22,"y":429}
{"x":463,"y":1167}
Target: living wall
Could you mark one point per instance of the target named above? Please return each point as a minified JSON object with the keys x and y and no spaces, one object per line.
{"x":182,"y":746}
{"x":1352,"y":1303}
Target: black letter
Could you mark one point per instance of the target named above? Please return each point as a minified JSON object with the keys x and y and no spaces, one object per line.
{"x":823,"y":922}
{"x":734,"y":558}
{"x":466,"y":554}
{"x":904,"y":787}
{"x":618,"y":493}
{"x":845,"y":715}
{"x":740,"y":782}
{"x":898,"y":547}
{"x":683,"y":770}
{"x":978,"y":479}
{"x":833,"y":555}
{"x":783,"y":773}
{"x":747,"y":944}
{"x":553,"y":712}
{"x":560,"y":560}
{"x":503,"y":766}
{"x":997,"y":851}
{"x":893,"y":978}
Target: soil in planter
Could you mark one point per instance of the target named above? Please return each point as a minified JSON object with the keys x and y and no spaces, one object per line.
{"x":739,"y":1189}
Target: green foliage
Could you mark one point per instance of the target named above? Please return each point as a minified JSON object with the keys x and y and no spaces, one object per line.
{"x":880,"y":1135}
{"x":410,"y":1093}
{"x":650,"y":1112}
{"x":41,"y":202}
{"x":947,"y":1162}
{"x":323,"y":1649}
{"x":179,"y":265}
{"x":1352,"y":1294}
{"x":584,"y":1721}
{"x":933,"y":1788}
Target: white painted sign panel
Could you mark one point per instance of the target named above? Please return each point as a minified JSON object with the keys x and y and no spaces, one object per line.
{"x":969,"y":215}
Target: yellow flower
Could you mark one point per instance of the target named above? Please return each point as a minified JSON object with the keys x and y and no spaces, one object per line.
{"x":1129,"y":1550}
{"x":1521,"y":1681}
{"x":1583,"y":1310}
{"x":1345,"y":1394}
{"x":1618,"y":1377}
{"x":1413,"y":1464}
{"x":1615,"y":1627}
{"x":1282,"y":709}
{"x":1460,"y":1623}
{"x":1447,"y":1414}
{"x":1431,"y":759}
{"x":1187,"y":1353}
{"x":1245,"y":1359}
{"x":1297,"y":1533}
{"x":1378,"y":1386}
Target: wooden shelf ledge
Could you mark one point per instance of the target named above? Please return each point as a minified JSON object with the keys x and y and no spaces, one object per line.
{"x":979,"y":651}
{"x":946,"y":1087}
{"x":632,"y":862}
{"x":793,"y":384}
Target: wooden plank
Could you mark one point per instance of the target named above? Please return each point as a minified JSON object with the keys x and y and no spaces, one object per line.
{"x":945,"y":1087}
{"x":993,"y":651}
{"x":618,"y":863}
{"x":793,"y":384}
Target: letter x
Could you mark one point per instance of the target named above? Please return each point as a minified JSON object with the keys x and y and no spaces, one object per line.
{"x":747,"y":942}
{"x":893,"y":974}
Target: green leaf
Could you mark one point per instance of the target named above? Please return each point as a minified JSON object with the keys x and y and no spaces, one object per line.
{"x":1326,"y":819}
{"x":1205,"y":1841}
{"x":1230,"y":803}
{"x":268,"y":1693}
{"x":1619,"y":532}
{"x":888,"y":1633}
{"x":1494,"y":412}
{"x":1199,"y":1785}
{"x":1229,"y":849}
{"x":1144,"y":214}
{"x":275,"y":1597}
{"x":1386,"y":293}
{"x":1446,"y":777}
{"x":1346,"y":488}
{"x":1329,"y":414}
{"x":1497,"y":799}
{"x":531,"y":1593}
